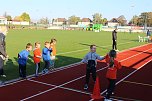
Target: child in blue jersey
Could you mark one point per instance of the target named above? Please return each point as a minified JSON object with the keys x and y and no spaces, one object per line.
{"x":22,"y":60}
{"x":46,"y":57}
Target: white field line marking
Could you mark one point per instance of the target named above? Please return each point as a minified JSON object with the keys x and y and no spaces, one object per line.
{"x":79,"y":50}
{"x":138,"y":83}
{"x":126,"y":77}
{"x":123,"y":99}
{"x":32,"y":76}
{"x":59,"y":87}
{"x":88,"y":49}
{"x":79,"y":78}
{"x":64,"y":67}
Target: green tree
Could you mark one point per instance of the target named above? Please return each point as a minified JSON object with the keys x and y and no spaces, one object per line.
{"x":135,"y":20}
{"x":18,"y":18}
{"x":73,"y":20}
{"x":25,"y":17}
{"x":97,"y":18}
{"x":104,"y":21}
{"x":9,"y":18}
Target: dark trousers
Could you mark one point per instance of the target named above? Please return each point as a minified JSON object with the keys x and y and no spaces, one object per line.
{"x":111,"y":87}
{"x":37,"y":68}
{"x":1,"y":66}
{"x":47,"y":65}
{"x":88,"y":71}
{"x":114,"y":45}
{"x":22,"y":71}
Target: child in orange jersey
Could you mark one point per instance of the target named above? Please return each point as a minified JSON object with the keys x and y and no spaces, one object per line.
{"x":37,"y":57}
{"x":111,"y":75}
{"x":53,"y":54}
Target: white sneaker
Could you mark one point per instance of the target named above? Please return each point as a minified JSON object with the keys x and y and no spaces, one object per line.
{"x":85,"y":87}
{"x":3,"y":76}
{"x":117,"y":50}
{"x":107,"y":100}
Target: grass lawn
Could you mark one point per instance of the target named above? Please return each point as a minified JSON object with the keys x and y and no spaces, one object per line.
{"x":71,"y":46}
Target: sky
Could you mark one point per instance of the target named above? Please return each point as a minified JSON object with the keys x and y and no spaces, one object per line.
{"x":82,"y":8}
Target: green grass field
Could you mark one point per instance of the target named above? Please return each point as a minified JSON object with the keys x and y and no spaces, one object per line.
{"x":71,"y":46}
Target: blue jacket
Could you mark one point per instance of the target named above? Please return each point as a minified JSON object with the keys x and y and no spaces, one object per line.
{"x":22,"y":57}
{"x":46,"y":54}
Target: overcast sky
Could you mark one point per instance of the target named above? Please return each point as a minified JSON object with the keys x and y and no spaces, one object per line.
{"x":82,"y":8}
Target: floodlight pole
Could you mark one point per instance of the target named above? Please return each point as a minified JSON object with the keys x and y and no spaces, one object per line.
{"x":133,"y":17}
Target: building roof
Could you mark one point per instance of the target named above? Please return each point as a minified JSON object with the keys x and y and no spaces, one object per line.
{"x":2,"y":17}
{"x":86,"y":20}
{"x":114,"y":20}
{"x":60,"y":20}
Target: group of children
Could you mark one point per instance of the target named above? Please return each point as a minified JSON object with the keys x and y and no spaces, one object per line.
{"x":48,"y":54}
{"x":113,"y":65}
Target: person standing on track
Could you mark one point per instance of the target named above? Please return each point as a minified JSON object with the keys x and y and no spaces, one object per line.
{"x":91,"y":60}
{"x":3,"y":54}
{"x":111,"y":75}
{"x":114,"y":39}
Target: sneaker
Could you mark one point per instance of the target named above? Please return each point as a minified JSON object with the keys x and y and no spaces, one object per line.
{"x":112,"y":93}
{"x":85,"y":87}
{"x":107,"y":100}
{"x":3,"y":76}
{"x":36,"y":75}
{"x":117,"y":50}
{"x":44,"y":71}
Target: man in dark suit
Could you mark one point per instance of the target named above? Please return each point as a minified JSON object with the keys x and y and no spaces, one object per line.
{"x":114,"y":38}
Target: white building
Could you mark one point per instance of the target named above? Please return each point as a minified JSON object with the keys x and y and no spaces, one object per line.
{"x":3,"y":20}
{"x":59,"y":21}
{"x":85,"y":22}
{"x":15,"y":22}
{"x":113,"y":22}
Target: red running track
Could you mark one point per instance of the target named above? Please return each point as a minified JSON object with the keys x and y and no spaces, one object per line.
{"x":67,"y":84}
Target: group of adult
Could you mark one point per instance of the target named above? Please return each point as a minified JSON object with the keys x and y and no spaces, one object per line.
{"x":3,"y":54}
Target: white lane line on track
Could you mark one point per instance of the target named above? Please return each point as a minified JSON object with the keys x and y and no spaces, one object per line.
{"x":63,"y":67}
{"x":126,"y":76}
{"x":82,"y":77}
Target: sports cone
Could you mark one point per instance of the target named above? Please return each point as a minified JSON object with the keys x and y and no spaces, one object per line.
{"x":96,"y":91}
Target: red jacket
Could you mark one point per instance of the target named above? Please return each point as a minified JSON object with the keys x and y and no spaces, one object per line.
{"x":112,"y":72}
{"x":37,"y":52}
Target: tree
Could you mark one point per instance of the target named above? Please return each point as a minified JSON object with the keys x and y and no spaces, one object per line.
{"x":144,"y":19}
{"x":104,"y":21}
{"x":44,"y":21}
{"x":97,"y":18}
{"x":122,"y":20}
{"x":9,"y":18}
{"x":135,"y":20}
{"x":18,"y":18}
{"x":25,"y":17}
{"x":74,"y":20}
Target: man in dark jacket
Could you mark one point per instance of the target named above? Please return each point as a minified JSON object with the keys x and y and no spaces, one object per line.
{"x":3,"y":55}
{"x":114,"y":38}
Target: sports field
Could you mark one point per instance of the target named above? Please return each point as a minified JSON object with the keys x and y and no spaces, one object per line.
{"x":71,"y":46}
{"x":67,"y":82}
